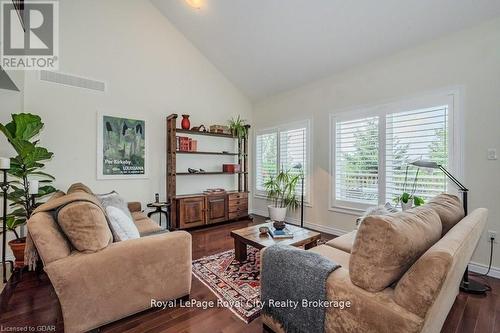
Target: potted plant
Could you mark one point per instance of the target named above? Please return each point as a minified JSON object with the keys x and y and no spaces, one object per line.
{"x":238,"y":127}
{"x":281,"y":190}
{"x":408,"y":199}
{"x":24,"y":167}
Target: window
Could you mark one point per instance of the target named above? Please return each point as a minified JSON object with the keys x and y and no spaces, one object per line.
{"x":266,"y":157}
{"x":372,"y":150}
{"x":285,"y":147}
{"x":356,"y":160}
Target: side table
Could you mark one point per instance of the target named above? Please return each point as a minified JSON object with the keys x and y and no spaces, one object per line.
{"x":159,"y":210}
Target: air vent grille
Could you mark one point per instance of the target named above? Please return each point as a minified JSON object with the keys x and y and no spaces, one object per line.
{"x":72,"y":80}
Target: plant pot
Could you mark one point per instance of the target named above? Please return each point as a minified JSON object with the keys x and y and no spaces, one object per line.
{"x":276,"y":213}
{"x":406,"y":206}
{"x":185,"y":123}
{"x":17,"y":246}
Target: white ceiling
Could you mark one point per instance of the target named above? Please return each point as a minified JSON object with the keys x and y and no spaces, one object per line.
{"x":268,"y":46}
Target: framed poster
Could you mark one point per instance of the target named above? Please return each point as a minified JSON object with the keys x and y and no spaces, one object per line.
{"x":121,"y":147}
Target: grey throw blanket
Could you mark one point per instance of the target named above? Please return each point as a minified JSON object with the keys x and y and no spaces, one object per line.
{"x":289,"y":276}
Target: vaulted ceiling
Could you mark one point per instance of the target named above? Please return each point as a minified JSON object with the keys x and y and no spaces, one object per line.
{"x":268,"y":46}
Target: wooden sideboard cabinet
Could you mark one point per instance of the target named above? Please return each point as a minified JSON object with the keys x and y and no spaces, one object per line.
{"x":204,"y":209}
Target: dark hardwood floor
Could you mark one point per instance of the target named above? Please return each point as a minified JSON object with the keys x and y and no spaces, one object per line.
{"x":31,"y":301}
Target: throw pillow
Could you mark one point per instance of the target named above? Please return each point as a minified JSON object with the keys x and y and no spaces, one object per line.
{"x":387,"y":245}
{"x":122,"y":227}
{"x":115,"y":200}
{"x":83,"y":222}
{"x":449,"y":208}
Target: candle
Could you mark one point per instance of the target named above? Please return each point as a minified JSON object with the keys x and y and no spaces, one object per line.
{"x":4,"y":163}
{"x":33,"y":186}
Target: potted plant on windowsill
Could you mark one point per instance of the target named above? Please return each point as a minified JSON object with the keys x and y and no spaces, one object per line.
{"x":24,"y":167}
{"x":281,"y":190}
{"x":408,"y":199}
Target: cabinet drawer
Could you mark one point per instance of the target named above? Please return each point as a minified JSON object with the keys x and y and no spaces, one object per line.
{"x":237,"y":205}
{"x":238,"y":214}
{"x":237,"y":196}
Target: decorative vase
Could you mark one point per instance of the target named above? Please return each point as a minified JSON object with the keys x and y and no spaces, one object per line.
{"x":17,"y":246}
{"x":276,"y":213}
{"x":185,"y":123}
{"x":279,"y":225}
{"x":406,"y":206}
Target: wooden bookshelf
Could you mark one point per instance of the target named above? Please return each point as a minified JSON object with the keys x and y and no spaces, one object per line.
{"x":205,"y":153}
{"x":198,"y":209}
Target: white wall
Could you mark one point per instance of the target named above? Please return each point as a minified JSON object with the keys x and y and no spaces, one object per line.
{"x":150,"y":69}
{"x":469,"y":59}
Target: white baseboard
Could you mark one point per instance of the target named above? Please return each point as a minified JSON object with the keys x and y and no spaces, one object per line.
{"x":314,"y":226}
{"x":482,"y":269}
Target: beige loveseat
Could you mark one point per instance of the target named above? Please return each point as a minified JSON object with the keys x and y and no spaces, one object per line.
{"x":422,"y":295}
{"x":120,"y":280}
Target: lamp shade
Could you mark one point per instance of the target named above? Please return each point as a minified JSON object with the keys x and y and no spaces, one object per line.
{"x":425,"y":164}
{"x":4,"y":163}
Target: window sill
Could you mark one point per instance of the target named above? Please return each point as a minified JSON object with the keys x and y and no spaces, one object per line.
{"x":263,"y":197}
{"x":347,"y":210}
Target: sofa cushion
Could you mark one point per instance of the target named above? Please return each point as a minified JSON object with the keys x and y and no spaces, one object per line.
{"x":386,"y":246}
{"x":343,"y":242}
{"x":338,"y":256}
{"x":85,"y":225}
{"x":136,"y":216}
{"x":449,"y":208}
{"x":122,"y":226}
{"x":147,"y":226}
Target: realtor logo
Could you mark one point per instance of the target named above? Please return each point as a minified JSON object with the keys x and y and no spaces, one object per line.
{"x":30,"y":35}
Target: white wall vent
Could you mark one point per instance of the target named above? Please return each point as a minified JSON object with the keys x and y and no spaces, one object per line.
{"x":72,"y":80}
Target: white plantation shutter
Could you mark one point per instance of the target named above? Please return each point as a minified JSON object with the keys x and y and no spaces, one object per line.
{"x":284,"y":147}
{"x":356,"y":160}
{"x":266,"y":157}
{"x":415,"y":135}
{"x":293,"y":152}
{"x":373,"y":151}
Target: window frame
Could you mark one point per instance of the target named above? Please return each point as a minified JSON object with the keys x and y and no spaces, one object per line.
{"x":455,"y":140}
{"x":308,"y":158}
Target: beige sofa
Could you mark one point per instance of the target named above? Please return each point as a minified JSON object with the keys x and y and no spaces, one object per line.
{"x":101,"y":287}
{"x":419,"y":300}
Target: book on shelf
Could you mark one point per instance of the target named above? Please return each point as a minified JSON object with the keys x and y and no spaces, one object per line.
{"x":284,"y":233}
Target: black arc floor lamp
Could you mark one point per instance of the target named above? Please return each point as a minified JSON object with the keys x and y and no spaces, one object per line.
{"x":468,"y":286}
{"x":298,"y":166}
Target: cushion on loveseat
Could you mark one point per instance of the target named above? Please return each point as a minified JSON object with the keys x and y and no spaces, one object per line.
{"x":344,"y":242}
{"x":449,"y":208}
{"x":85,"y":225}
{"x":386,"y":246}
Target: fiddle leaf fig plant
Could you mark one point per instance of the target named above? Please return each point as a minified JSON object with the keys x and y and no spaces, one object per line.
{"x":20,"y":133}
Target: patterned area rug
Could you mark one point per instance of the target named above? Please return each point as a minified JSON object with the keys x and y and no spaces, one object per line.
{"x":237,"y":285}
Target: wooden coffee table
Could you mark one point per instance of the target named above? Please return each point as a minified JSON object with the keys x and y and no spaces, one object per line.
{"x":251,"y":236}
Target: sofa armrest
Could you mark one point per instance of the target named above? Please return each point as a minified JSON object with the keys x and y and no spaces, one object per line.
{"x":134,"y":206}
{"x":98,"y":288}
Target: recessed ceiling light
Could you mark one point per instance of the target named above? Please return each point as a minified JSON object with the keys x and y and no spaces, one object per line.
{"x":195,"y":3}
